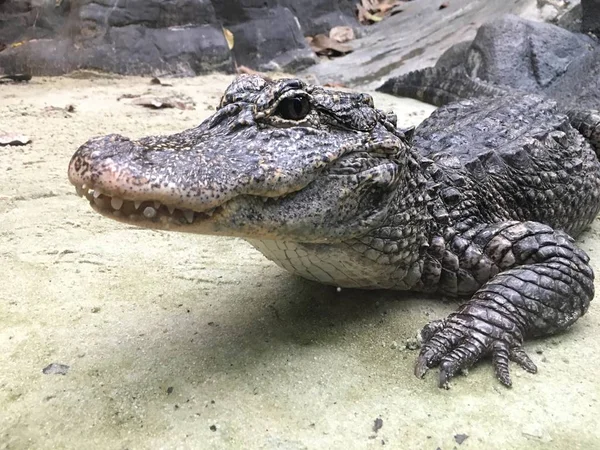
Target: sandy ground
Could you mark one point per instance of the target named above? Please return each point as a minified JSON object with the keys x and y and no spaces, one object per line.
{"x":182,"y":341}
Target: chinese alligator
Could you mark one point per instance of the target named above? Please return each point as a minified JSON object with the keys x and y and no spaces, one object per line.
{"x":480,"y":202}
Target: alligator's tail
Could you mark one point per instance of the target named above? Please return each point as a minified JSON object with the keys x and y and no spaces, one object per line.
{"x":587,"y":122}
{"x":439,"y":86}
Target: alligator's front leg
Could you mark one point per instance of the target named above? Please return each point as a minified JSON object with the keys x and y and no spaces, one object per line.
{"x":539,"y":283}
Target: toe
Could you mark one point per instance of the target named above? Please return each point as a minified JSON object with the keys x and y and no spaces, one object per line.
{"x":500,"y":356}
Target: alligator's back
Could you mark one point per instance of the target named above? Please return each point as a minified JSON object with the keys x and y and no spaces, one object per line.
{"x":514,"y":157}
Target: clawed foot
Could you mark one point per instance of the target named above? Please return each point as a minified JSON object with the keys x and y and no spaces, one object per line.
{"x":458,"y":342}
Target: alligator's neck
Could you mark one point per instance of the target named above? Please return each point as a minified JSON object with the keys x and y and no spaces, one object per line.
{"x":389,"y":256}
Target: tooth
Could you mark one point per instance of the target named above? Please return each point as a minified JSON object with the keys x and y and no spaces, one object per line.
{"x":157,"y":205}
{"x":80,"y":191}
{"x":210,"y":212}
{"x":189,"y":215}
{"x":137,"y":204}
{"x":171,"y":209}
{"x":265,"y":199}
{"x":149,"y":212}
{"x":97,"y":193}
{"x":84,"y":187}
{"x":116,"y":202}
{"x":101,"y":202}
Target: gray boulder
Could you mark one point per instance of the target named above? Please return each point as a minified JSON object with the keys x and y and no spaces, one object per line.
{"x":526,"y":55}
{"x":176,"y":37}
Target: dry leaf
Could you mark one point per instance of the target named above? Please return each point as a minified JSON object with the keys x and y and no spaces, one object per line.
{"x":371,"y":11}
{"x":334,"y":85}
{"x":14,"y":139}
{"x":16,"y":77}
{"x":229,"y":38}
{"x":154,"y":102}
{"x":341,"y":34}
{"x":369,"y":5}
{"x":324,"y":45}
{"x":68,"y":108}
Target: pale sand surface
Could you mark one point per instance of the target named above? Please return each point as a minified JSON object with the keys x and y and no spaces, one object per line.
{"x":168,"y":335}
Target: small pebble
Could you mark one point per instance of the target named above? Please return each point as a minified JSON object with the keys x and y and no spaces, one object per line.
{"x":460,"y":438}
{"x":377,"y":424}
{"x":412,"y":344}
{"x":55,"y":369}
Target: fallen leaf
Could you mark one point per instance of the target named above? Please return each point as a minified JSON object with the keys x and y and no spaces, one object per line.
{"x":57,"y":109}
{"x":324,"y":45}
{"x":372,"y":11}
{"x":14,"y":139}
{"x":154,"y":102}
{"x":229,"y":38}
{"x":334,"y":85}
{"x":341,"y":34}
{"x":120,"y":97}
{"x":369,"y":5}
{"x":16,"y":77}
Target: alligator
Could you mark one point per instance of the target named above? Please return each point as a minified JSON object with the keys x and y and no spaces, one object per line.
{"x":480,"y":202}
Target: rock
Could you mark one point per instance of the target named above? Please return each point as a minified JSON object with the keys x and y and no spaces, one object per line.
{"x":272,"y":40}
{"x":410,"y":40}
{"x":532,"y":57}
{"x":176,"y":37}
{"x":571,"y":19}
{"x":138,"y":37}
{"x":523,"y":54}
{"x":318,"y":16}
{"x":591,"y":16}
{"x":55,"y":369}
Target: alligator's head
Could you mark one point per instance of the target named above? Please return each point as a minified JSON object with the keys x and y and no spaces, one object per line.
{"x":277,"y":160}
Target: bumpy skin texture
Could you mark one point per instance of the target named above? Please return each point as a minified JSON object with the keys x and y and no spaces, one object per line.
{"x":477,"y":206}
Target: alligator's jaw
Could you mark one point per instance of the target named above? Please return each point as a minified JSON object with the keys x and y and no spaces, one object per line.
{"x":143,"y":213}
{"x":156,"y":215}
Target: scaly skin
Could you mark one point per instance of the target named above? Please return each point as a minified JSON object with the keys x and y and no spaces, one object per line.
{"x":477,"y":206}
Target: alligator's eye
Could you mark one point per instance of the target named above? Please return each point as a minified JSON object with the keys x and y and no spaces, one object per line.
{"x":294,"y":108}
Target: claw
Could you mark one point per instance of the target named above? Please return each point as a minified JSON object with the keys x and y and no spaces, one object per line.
{"x":519,"y":356}
{"x":447,"y":371}
{"x":421,"y":367}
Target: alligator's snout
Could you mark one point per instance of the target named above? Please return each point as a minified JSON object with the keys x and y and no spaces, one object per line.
{"x":115,"y":174}
{"x":92,"y":161}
